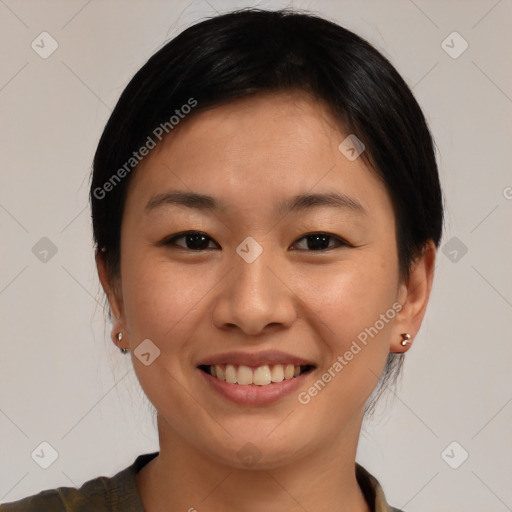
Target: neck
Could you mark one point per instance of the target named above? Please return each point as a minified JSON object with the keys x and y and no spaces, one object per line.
{"x":182,"y":478}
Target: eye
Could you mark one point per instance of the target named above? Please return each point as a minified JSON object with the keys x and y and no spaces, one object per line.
{"x":194,"y":240}
{"x":320,"y":241}
{"x":199,"y":241}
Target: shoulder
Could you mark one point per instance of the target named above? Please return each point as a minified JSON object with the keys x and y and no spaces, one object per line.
{"x":102,"y":494}
{"x":48,"y":500}
{"x":92,"y":495}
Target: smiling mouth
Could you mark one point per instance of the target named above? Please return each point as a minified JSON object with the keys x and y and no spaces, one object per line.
{"x":259,"y":376}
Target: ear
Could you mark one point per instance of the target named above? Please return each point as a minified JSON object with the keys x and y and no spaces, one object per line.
{"x":113,"y":292}
{"x":413,"y":295}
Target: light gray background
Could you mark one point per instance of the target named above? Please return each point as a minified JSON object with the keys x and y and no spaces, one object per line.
{"x":62,"y":379}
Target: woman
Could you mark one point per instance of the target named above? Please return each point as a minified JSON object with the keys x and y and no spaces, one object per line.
{"x":266,"y":208}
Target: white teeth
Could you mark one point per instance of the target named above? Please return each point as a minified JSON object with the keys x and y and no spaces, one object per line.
{"x":277,"y":373}
{"x":219,"y":372}
{"x":289,"y":371}
{"x":244,"y":375}
{"x":260,"y":376}
{"x":230,"y":374}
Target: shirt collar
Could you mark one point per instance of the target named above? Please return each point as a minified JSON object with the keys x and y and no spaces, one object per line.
{"x":372,"y":491}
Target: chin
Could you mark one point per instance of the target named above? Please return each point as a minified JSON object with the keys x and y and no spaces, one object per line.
{"x":255,"y":452}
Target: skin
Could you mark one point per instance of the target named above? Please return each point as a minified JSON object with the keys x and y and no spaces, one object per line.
{"x":251,"y":154}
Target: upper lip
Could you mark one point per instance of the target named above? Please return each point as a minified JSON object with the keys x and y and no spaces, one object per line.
{"x":267,"y":357}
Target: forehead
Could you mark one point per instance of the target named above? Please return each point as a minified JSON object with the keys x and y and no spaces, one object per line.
{"x":256,"y":150}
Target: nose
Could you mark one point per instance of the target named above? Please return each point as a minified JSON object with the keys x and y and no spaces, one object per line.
{"x":255,"y":298}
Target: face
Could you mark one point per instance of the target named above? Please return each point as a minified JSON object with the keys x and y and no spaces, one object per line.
{"x":269,"y":281}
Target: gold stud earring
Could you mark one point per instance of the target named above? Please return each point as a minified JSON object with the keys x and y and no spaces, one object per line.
{"x":406,"y":338}
{"x":119,"y":339}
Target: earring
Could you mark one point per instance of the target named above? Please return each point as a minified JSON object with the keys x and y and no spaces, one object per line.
{"x":119,"y":339}
{"x":406,"y":338}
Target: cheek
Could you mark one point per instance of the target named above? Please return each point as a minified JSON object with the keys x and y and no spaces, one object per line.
{"x":351,"y":295}
{"x":163,"y":304}
{"x":163,"y":301}
{"x":356,"y":304}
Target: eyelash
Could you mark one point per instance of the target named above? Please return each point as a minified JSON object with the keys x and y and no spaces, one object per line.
{"x":170,"y":241}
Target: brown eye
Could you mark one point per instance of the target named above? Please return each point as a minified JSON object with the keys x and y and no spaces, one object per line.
{"x":194,"y":240}
{"x":320,"y":241}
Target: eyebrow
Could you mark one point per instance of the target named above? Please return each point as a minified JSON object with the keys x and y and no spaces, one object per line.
{"x":296,"y":203}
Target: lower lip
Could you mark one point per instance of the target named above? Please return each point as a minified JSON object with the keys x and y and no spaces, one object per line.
{"x":252,"y":394}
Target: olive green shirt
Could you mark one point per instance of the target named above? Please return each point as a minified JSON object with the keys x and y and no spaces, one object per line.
{"x":119,"y":494}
